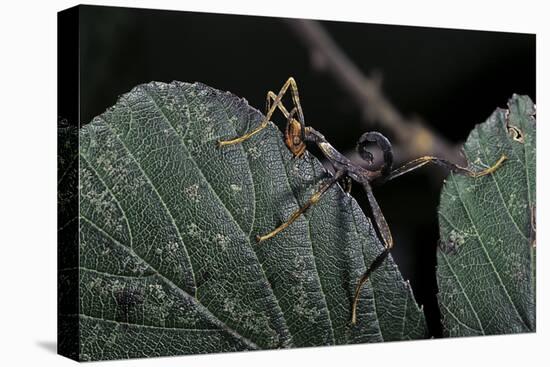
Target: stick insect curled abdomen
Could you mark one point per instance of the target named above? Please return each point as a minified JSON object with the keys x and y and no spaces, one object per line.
{"x":297,"y":134}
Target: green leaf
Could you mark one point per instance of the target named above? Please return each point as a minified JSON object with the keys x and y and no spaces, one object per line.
{"x":486,"y":266}
{"x":168,"y":258}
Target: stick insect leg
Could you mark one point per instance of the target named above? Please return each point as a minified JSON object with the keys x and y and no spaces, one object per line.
{"x":419,"y":162}
{"x":312,"y":200}
{"x":297,"y":106}
{"x":290,"y":83}
{"x":375,"y":264}
{"x":295,"y":130}
{"x":295,"y":100}
{"x":272,"y":97}
{"x":380,"y":222}
{"x":383,"y":230}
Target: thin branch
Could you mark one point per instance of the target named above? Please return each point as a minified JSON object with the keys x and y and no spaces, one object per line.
{"x":414,"y":137}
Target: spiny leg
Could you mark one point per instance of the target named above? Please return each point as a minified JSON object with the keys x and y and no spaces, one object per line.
{"x":263,"y":124}
{"x":375,"y":264}
{"x":297,"y":109}
{"x":419,"y":162}
{"x":295,"y":100}
{"x":290,"y":122}
{"x":290,"y":83}
{"x":380,"y":224}
{"x":383,"y":230}
{"x":312,"y":200}
{"x":272,"y":97}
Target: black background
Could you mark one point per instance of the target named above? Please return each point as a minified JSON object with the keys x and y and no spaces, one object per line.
{"x":451,"y":79}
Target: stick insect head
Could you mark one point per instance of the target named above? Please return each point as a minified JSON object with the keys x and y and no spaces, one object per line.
{"x":383,"y":143}
{"x":294,"y":135}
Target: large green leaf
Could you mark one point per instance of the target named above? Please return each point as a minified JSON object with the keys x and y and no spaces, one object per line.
{"x":168,"y":260}
{"x":486,"y":266}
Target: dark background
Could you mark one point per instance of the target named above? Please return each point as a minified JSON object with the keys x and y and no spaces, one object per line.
{"x":451,"y":79}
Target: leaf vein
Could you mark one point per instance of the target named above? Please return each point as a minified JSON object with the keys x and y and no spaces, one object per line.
{"x":487,"y":254}
{"x":171,"y":284}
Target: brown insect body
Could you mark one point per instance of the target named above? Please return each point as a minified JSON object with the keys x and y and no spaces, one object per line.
{"x":293,"y":138}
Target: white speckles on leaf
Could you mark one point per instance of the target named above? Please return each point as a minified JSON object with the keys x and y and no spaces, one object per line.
{"x":208,"y":133}
{"x":221,"y":240}
{"x":94,"y":284}
{"x":229,"y":306}
{"x":301,"y":305}
{"x":134,"y":265}
{"x":157,"y":291}
{"x":517,"y":205}
{"x":457,"y":237}
{"x":193,"y":230}
{"x":251,"y":321}
{"x":516,"y":270}
{"x":254,"y":152}
{"x":299,"y":168}
{"x":193,"y":192}
{"x":172,"y":247}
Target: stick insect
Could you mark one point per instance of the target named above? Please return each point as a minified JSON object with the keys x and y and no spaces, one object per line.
{"x":297,"y":134}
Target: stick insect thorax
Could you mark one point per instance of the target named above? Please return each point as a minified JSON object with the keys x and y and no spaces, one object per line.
{"x":340,"y":161}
